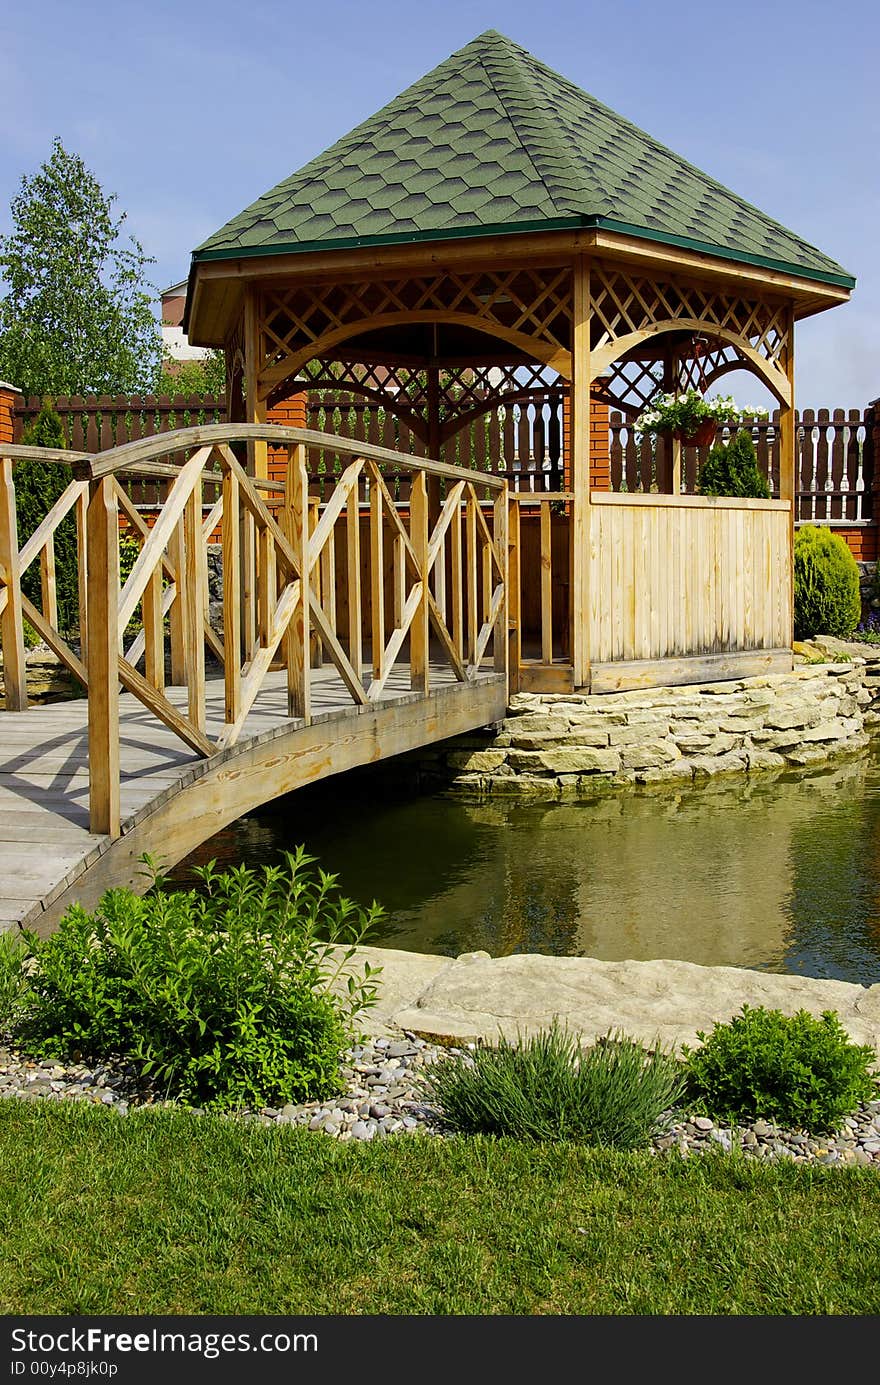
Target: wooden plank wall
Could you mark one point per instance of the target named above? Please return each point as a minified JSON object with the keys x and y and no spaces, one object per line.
{"x":684,"y":575}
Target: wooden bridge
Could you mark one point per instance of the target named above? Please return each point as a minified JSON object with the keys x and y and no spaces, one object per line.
{"x":348,"y":633}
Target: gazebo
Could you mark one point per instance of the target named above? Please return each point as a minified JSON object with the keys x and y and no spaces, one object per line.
{"x":494,"y":229}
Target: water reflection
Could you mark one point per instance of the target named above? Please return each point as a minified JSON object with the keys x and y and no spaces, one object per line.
{"x":781,"y":875}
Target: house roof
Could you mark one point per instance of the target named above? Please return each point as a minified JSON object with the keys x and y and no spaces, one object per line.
{"x":493,"y":141}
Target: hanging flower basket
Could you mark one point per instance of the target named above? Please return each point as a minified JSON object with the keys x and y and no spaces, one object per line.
{"x":702,"y":435}
{"x":691,"y":418}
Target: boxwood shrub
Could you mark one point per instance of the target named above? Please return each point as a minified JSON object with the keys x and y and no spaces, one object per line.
{"x":826,"y":585}
{"x":794,"y":1070}
{"x":241,"y":994}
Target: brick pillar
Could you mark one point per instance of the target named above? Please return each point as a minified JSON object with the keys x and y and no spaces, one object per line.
{"x":289,"y":413}
{"x":9,"y":397}
{"x":600,"y":444}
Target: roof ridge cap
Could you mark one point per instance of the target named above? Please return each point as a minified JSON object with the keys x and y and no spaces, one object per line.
{"x":513,"y":125}
{"x":534,"y":100}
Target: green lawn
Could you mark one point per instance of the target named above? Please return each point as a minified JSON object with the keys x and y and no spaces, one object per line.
{"x":164,"y":1212}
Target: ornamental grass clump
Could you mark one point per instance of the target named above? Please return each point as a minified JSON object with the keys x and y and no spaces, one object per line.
{"x":794,"y":1070}
{"x":241,"y":994}
{"x":827,"y":599}
{"x":547,"y":1088}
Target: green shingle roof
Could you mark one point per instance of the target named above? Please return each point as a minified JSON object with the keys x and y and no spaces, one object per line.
{"x":494,"y":141}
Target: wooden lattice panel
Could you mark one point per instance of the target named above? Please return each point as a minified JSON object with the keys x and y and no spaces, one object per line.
{"x":529,"y":308}
{"x":629,"y":386}
{"x":629,"y":308}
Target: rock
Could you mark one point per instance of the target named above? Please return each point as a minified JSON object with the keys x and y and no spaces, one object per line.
{"x":638,"y":734}
{"x":362,"y":1130}
{"x":477,"y":760}
{"x":710,"y":765}
{"x":652,"y":754}
{"x":579,"y":760}
{"x":764,"y":760}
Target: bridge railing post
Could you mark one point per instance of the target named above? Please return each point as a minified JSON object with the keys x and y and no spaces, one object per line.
{"x":102,"y":602}
{"x":419,"y":666}
{"x":11,"y":626}
{"x":501,"y":633}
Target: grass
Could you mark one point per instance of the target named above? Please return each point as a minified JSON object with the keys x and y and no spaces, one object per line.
{"x":544,"y":1087}
{"x":163,"y":1212}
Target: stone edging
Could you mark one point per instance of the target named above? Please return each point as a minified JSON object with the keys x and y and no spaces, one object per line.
{"x":567,"y":745}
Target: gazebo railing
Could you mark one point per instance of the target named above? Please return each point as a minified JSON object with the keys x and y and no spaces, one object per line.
{"x":834,"y":462}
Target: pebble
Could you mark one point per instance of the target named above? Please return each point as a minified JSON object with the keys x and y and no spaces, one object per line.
{"x":385,"y":1096}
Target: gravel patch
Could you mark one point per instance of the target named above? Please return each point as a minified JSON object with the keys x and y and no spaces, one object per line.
{"x":385,"y":1094}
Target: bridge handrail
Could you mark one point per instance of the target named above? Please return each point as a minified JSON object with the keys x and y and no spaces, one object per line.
{"x":425,"y":574}
{"x":143,"y":451}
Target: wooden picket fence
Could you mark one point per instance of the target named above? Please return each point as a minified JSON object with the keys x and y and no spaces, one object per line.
{"x":521,"y":442}
{"x":834,"y":469}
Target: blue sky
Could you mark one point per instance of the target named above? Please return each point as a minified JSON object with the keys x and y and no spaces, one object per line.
{"x":189,"y":110}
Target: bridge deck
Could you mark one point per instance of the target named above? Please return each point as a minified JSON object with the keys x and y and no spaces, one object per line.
{"x":45,"y":844}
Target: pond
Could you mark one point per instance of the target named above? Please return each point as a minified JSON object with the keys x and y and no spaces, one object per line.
{"x":777,"y":874}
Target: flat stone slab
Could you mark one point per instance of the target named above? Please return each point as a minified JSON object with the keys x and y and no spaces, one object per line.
{"x":477,"y":997}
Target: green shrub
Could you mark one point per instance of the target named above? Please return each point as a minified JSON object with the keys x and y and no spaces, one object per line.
{"x":547,"y":1088}
{"x":13,"y":980}
{"x":732,"y":469}
{"x":241,"y":994}
{"x":796,"y":1071}
{"x":37,"y":486}
{"x":826,"y":585}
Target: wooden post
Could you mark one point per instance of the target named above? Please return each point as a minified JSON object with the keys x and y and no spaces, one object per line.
{"x":669,"y":476}
{"x":11,"y":627}
{"x":418,"y":631}
{"x":82,"y":553}
{"x":580,"y":475}
{"x":353,"y":547}
{"x":787,"y":467}
{"x":299,"y":688}
{"x":514,"y":595}
{"x":102,"y":542}
{"x":377,"y":581}
{"x":48,"y":586}
{"x":195,"y":564}
{"x":176,"y":618}
{"x":257,"y":465}
{"x":434,"y":447}
{"x":500,"y":633}
{"x":473,"y":615}
{"x":324,"y":579}
{"x":546,"y":583}
{"x":230,"y":535}
{"x":154,"y":634}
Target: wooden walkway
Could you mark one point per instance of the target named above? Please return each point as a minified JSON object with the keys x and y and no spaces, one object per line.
{"x":172,"y":799}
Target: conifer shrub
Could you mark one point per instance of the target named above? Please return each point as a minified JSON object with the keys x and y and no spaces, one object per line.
{"x":731,"y":468}
{"x":827,"y":600}
{"x":547,"y":1088}
{"x":243,"y":993}
{"x":794,"y":1070}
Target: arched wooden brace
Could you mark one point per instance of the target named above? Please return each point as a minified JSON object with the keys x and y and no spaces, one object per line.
{"x":773,"y":377}
{"x":277,"y":374}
